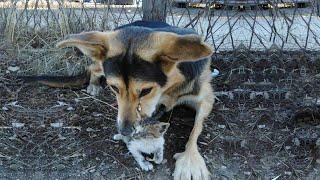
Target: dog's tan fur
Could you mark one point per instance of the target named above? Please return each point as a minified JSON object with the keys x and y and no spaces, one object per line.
{"x":169,"y":49}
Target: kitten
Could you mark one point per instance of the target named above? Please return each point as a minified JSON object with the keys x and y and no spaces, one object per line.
{"x":146,"y":139}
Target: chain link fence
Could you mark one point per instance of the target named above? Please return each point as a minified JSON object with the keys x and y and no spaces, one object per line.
{"x":290,"y":24}
{"x":266,"y":118}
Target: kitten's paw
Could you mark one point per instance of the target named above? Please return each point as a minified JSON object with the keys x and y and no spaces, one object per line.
{"x":158,"y":160}
{"x":117,"y":137}
{"x":145,"y":165}
{"x":94,"y":90}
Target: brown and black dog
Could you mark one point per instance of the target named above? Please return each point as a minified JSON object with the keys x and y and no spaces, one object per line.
{"x":147,"y":64}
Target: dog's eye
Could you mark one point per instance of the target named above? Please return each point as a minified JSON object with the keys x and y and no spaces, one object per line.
{"x":114,"y":88}
{"x":145,"y":92}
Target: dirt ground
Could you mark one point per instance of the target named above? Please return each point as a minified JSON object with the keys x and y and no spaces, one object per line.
{"x":49,"y":133}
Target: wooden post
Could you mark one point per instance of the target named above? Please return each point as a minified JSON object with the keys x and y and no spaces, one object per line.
{"x":154,"y":10}
{"x":318,"y":8}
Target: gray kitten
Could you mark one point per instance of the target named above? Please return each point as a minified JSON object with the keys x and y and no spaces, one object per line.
{"x":146,"y":139}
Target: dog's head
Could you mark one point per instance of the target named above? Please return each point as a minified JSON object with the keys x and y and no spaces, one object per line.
{"x":139,"y":65}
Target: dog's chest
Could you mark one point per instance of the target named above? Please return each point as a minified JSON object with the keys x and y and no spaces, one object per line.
{"x":147,"y":145}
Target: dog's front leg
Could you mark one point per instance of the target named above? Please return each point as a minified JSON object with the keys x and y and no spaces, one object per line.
{"x":97,"y":72}
{"x":190,"y":164}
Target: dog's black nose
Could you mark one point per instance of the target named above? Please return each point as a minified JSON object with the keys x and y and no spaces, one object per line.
{"x":126,"y":129}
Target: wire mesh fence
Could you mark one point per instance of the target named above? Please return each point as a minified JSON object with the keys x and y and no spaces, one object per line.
{"x":291,"y":24}
{"x":267,"y":113}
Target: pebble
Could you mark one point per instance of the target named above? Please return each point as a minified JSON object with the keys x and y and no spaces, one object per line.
{"x":215,"y":73}
{"x":296,"y":141}
{"x":13,"y":68}
{"x":221,"y":126}
{"x":70,"y":108}
{"x":288,"y":173}
{"x":89,"y":129}
{"x":17,"y":125}
{"x":96,"y":114}
{"x":56,"y":125}
{"x":5,"y":108}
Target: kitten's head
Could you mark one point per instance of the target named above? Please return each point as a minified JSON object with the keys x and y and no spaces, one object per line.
{"x":154,"y":130}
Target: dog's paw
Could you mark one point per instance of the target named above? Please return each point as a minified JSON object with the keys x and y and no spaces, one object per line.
{"x":190,"y":165}
{"x":145,"y":165}
{"x":93,"y":90}
{"x":117,"y":137}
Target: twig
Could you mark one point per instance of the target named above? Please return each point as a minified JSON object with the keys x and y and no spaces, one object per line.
{"x":103,"y":102}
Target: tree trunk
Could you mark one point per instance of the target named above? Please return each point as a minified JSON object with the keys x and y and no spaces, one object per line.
{"x":318,"y":8}
{"x":154,"y":10}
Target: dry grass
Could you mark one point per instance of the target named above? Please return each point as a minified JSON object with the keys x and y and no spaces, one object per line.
{"x":29,"y":32}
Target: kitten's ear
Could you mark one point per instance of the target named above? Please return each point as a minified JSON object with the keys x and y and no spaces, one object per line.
{"x":164,"y":127}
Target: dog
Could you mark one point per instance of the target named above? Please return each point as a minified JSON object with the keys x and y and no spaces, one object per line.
{"x":147,"y":138}
{"x":147,"y":64}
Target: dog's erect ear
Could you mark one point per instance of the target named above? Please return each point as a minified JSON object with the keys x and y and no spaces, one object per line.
{"x":163,"y":127}
{"x":173,"y":47}
{"x":93,"y":44}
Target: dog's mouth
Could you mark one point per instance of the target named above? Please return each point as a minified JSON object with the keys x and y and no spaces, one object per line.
{"x":156,"y":115}
{"x":154,"y":119}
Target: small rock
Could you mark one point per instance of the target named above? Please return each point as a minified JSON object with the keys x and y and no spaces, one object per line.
{"x":70,"y":108}
{"x":13,"y":68}
{"x":60,"y":103}
{"x":61,"y":137}
{"x":14,"y":167}
{"x":89,"y":129}
{"x":221,"y":126}
{"x":92,"y":170}
{"x":296,"y":142}
{"x":215,"y":73}
{"x":96,"y":114}
{"x":60,"y":167}
{"x":56,"y":125}
{"x":13,"y":137}
{"x":243,"y":143}
{"x":123,"y":175}
{"x":17,"y":125}
{"x":74,"y":117}
{"x":288,"y":173}
{"x":5,"y":108}
{"x":105,"y":172}
{"x":223,"y":167}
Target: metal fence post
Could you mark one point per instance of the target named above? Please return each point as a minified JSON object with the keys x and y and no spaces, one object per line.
{"x":154,"y":10}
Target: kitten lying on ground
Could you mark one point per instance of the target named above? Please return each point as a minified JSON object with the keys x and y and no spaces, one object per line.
{"x":146,"y":139}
